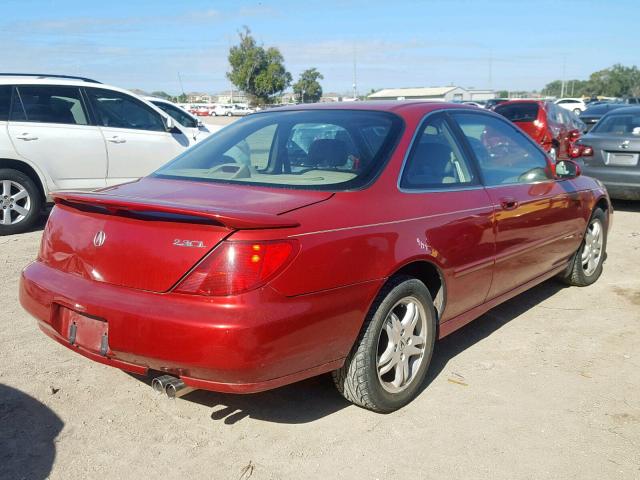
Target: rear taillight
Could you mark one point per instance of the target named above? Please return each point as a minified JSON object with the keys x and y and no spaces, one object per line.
{"x":581,"y":151}
{"x":236,"y":267}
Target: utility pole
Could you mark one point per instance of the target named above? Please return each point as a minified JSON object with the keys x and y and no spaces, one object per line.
{"x":180,"y":81}
{"x":355,"y":78}
{"x":564,"y":74}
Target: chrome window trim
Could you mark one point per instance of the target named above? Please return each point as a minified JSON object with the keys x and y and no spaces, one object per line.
{"x":454,"y":187}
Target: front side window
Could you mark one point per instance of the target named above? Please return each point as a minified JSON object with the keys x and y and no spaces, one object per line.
{"x":179,"y":115}
{"x":312,"y":149}
{"x":49,"y":104}
{"x":118,"y":110}
{"x":436,"y":160}
{"x":504,"y":154}
{"x":5,"y":102}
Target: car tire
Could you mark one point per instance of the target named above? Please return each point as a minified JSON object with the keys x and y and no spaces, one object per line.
{"x":229,"y":114}
{"x":587,"y":263}
{"x":20,"y":200}
{"x":393,"y":344}
{"x":577,"y":111}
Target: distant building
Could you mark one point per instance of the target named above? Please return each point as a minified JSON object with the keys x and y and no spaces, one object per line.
{"x":331,"y":97}
{"x":437,"y":94}
{"x":197,"y":97}
{"x":232,"y":96}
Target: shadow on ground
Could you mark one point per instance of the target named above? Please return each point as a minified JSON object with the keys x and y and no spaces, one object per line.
{"x":626,"y":206}
{"x":27,"y":433}
{"x":317,"y":397}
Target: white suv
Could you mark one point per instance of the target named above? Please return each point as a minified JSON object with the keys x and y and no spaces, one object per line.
{"x":574,"y":105}
{"x":60,"y":132}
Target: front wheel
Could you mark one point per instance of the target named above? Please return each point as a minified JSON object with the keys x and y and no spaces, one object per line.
{"x":586,"y":266}
{"x":388,"y":363}
{"x":20,"y":202}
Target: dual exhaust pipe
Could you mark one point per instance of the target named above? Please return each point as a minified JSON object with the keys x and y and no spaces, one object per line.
{"x":173,"y":387}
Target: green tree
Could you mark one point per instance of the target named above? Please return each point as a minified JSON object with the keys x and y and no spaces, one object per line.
{"x":182,"y":98}
{"x":259,"y":72}
{"x":502,"y":93}
{"x":307,"y":88}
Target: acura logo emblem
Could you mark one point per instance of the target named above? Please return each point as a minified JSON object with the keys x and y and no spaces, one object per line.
{"x":99,"y":239}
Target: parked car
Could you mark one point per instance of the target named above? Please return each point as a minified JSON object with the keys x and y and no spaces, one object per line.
{"x":231,"y":110}
{"x":202,"y":110}
{"x":631,"y":100}
{"x":545,"y":123}
{"x":610,"y":152}
{"x":474,"y":104}
{"x":198,"y":129}
{"x":596,"y":110}
{"x":58,"y":132}
{"x":576,"y":105}
{"x":230,"y":269}
{"x":494,"y":102}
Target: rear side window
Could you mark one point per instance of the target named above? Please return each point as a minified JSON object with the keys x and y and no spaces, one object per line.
{"x":436,"y":159}
{"x":178,"y":114}
{"x":519,"y":112}
{"x":49,"y":104}
{"x":118,"y":110}
{"x":5,"y":102}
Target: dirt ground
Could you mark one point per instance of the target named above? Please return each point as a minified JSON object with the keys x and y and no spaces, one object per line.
{"x":546,"y":386}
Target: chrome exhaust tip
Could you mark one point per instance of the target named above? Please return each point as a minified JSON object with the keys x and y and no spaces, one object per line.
{"x":177,"y":388}
{"x":159,"y":384}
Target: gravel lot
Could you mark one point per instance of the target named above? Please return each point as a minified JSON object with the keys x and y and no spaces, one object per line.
{"x":545,"y":386}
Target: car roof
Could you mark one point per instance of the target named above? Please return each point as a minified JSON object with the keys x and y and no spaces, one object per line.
{"x":626,"y":110}
{"x":394,"y":106}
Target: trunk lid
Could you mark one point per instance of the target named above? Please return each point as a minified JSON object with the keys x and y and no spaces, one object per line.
{"x":612,"y":150}
{"x":148,"y":234}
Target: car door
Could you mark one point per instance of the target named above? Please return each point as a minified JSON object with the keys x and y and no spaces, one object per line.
{"x":538,"y":218}
{"x":443,"y":189}
{"x":137,"y":140}
{"x":49,"y":126}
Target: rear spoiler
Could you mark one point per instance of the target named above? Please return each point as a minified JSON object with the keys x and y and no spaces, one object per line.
{"x":115,"y":205}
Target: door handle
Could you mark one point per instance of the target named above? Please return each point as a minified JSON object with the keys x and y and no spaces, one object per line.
{"x":116,"y":139}
{"x":27,"y":137}
{"x":508,"y":203}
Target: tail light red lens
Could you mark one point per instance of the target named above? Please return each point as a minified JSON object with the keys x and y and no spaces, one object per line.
{"x":236,"y":267}
{"x":587,"y":151}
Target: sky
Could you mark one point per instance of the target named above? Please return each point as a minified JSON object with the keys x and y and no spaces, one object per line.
{"x":499,"y":44}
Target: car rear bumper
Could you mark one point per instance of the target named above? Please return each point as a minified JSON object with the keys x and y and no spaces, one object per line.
{"x":621,"y":182}
{"x":243,"y":344}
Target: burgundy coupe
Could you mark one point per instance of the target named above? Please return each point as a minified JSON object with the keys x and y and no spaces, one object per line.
{"x":314,"y":239}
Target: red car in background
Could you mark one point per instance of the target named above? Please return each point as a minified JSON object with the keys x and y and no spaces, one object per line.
{"x":311,"y":239}
{"x":545,"y":123}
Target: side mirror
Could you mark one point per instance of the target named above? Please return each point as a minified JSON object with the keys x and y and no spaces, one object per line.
{"x":567,"y":169}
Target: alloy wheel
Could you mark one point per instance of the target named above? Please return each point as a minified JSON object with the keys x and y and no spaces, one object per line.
{"x":401,"y":345}
{"x":592,"y":251}
{"x":15,"y":201}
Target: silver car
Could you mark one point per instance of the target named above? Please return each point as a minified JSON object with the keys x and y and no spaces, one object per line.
{"x":610,"y":152}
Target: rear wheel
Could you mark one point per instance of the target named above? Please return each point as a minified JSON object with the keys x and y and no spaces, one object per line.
{"x":229,"y":114}
{"x":388,"y":363}
{"x":20,"y":202}
{"x":586,"y":266}
{"x":577,"y":111}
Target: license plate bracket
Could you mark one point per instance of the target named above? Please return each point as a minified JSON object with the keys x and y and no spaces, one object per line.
{"x":82,"y":331}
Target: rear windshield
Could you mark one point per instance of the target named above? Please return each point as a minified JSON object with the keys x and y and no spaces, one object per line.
{"x":313,"y":149}
{"x":519,"y":112}
{"x":619,"y":124}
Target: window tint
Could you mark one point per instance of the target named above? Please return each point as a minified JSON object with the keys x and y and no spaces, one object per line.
{"x":253,"y":150}
{"x":315,"y":149}
{"x":504,"y":154}
{"x":618,"y":124}
{"x":49,"y":104}
{"x":178,"y":114}
{"x":5,"y":101}
{"x":436,"y":160}
{"x":118,"y":110}
{"x":519,"y":112}
{"x":321,"y":144}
